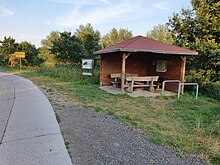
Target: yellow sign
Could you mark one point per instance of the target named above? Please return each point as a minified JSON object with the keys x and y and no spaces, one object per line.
{"x":20,"y":54}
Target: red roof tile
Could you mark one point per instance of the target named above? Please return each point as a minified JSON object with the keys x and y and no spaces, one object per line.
{"x":144,"y":44}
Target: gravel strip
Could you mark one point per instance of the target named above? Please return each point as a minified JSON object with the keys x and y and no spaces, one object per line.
{"x":100,"y":139}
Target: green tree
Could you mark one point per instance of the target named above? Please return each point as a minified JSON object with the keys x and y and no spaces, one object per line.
{"x":199,"y":29}
{"x":45,"y":52}
{"x":31,"y":53}
{"x":115,"y":36}
{"x":161,"y":33}
{"x":89,"y":37}
{"x":183,"y":28}
{"x":8,"y":46}
{"x":68,"y":48}
{"x":208,"y":32}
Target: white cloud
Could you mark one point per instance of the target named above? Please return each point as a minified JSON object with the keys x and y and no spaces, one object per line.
{"x":63,"y":1}
{"x":6,"y":12}
{"x":77,"y":1}
{"x":161,"y":5}
{"x":105,"y":1}
{"x":109,"y":13}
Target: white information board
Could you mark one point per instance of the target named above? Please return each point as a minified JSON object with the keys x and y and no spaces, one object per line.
{"x":87,"y":63}
{"x":87,"y":67}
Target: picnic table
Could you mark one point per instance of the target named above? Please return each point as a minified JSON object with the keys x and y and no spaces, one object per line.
{"x":146,"y":81}
{"x":132,"y":80}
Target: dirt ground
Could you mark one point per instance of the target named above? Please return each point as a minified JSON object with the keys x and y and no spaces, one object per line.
{"x":98,"y":138}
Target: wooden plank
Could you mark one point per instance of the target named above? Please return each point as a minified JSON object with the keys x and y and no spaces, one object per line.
{"x":131,"y":75}
{"x":118,"y":75}
{"x":138,"y":83}
{"x":143,"y":85}
{"x":146,"y":78}
{"x":115,"y":75}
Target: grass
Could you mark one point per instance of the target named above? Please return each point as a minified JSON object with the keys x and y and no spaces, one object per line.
{"x":189,"y":126}
{"x":67,"y":143}
{"x":58,"y":118}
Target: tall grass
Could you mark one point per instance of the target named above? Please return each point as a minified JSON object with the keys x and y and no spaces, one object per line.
{"x":67,"y":73}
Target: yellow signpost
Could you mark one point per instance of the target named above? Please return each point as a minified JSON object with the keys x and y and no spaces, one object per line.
{"x":20,"y":55}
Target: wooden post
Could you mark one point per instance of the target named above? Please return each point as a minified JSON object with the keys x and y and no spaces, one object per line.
{"x":20,"y":63}
{"x":100,"y":75}
{"x":183,"y":71}
{"x":123,"y":73}
{"x":151,"y":89}
{"x":124,"y":56}
{"x":132,"y":85}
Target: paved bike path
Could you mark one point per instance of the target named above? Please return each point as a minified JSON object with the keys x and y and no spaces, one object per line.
{"x":29,"y":132}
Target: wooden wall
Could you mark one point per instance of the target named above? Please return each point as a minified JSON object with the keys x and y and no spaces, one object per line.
{"x":174,"y":69}
{"x":136,"y":63}
{"x":143,"y":64}
{"x":110,"y":63}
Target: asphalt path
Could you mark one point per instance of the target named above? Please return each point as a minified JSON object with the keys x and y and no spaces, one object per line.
{"x":29,"y":132}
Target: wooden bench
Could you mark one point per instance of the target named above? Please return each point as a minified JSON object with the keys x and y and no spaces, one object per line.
{"x":146,"y":81}
{"x":117,"y":78}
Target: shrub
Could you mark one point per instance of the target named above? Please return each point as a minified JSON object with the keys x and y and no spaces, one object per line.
{"x":208,"y":80}
{"x":212,"y":90}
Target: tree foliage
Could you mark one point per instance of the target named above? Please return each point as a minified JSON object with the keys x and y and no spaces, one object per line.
{"x":8,"y":46}
{"x":89,"y":37}
{"x":161,"y":33}
{"x":115,"y":36}
{"x":44,"y":52}
{"x":208,"y":32}
{"x":199,"y":29}
{"x":68,"y":48}
{"x":183,"y":28}
{"x":31,"y":53}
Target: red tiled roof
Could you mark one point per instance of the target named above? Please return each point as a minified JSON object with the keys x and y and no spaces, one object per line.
{"x":144,"y":44}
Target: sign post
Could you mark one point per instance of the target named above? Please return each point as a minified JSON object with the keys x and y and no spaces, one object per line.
{"x":20,"y":63}
{"x":88,"y":67}
{"x":20,"y":55}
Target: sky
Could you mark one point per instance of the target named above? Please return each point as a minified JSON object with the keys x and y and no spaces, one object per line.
{"x":33,"y":20}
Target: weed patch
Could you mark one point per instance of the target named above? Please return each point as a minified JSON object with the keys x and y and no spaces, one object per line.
{"x":58,"y":118}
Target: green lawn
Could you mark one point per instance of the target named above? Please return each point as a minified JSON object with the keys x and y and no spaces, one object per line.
{"x":189,"y":126}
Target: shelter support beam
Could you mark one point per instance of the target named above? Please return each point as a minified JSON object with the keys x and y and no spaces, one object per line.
{"x":124,"y":56}
{"x":183,"y":72}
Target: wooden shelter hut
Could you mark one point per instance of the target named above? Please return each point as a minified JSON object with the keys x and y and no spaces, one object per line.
{"x":144,"y":57}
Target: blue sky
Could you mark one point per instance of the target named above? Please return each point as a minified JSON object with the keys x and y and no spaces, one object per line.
{"x":33,"y":20}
